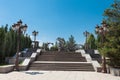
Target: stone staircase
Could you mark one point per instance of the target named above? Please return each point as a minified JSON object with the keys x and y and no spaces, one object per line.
{"x":61,"y":61}
{"x":61,"y":56}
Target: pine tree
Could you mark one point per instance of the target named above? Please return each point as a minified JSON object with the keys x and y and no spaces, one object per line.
{"x":8,"y":42}
{"x":91,"y":41}
{"x":71,"y":44}
{"x":112,"y":44}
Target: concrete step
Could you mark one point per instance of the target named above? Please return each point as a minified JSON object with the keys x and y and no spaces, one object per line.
{"x":61,"y":61}
{"x":63,"y":69}
{"x":62,"y":66}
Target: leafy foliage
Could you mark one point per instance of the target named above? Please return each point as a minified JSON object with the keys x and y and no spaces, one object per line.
{"x":54,"y":47}
{"x":112,"y":44}
{"x":61,"y":43}
{"x":45,"y":46}
{"x":8,"y":42}
{"x":91,"y":42}
{"x":71,"y":45}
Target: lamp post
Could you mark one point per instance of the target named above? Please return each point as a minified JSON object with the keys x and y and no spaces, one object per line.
{"x":19,"y":28}
{"x":35,"y":33}
{"x":86,"y":33}
{"x":102,"y":30}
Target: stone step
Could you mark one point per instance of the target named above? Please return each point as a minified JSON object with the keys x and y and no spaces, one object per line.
{"x":60,"y":53}
{"x":61,"y":61}
{"x":66,"y":54}
{"x":63,"y":69}
{"x":62,"y":66}
{"x":54,"y":65}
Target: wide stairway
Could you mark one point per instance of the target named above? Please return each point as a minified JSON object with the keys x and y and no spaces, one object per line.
{"x":61,"y":61}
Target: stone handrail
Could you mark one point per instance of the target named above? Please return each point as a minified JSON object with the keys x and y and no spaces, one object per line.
{"x":27,"y":61}
{"x":95,"y":63}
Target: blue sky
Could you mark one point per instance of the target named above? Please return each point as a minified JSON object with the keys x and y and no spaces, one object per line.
{"x":55,"y":18}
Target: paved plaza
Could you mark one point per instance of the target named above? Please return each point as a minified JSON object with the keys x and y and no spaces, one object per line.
{"x":57,"y":75}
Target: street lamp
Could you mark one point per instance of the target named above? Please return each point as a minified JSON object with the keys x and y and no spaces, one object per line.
{"x":35,"y":33}
{"x":102,"y":30}
{"x":86,"y":34}
{"x":19,"y":28}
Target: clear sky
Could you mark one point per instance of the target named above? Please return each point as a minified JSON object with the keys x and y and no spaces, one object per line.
{"x":55,"y":18}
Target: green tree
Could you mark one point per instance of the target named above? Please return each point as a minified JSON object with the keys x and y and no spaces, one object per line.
{"x":71,"y":44}
{"x":2,"y":37}
{"x":54,"y":47}
{"x":61,"y":44}
{"x":8,"y":42}
{"x":91,"y":41}
{"x":112,"y":44}
{"x":45,"y":46}
{"x":28,"y":41}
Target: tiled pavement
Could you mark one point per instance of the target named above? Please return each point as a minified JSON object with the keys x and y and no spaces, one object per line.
{"x":57,"y":75}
